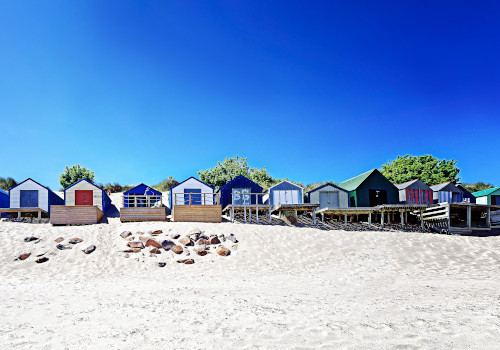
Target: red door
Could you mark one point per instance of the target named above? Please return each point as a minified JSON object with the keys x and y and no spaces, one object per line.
{"x":84,"y":197}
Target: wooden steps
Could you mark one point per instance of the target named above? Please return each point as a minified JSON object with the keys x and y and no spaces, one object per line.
{"x":75,"y":215}
{"x":143,"y":214}
{"x":197,"y":213}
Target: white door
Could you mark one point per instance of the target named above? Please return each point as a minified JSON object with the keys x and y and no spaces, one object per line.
{"x":286,"y":197}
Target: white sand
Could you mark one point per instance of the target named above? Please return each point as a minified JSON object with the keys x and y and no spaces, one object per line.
{"x":284,"y":288}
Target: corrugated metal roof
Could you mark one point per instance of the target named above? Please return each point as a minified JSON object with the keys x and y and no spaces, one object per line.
{"x":352,"y":184}
{"x":485,"y":192}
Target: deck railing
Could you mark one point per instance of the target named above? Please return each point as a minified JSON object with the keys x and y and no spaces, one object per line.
{"x":196,"y":199}
{"x":141,"y":201}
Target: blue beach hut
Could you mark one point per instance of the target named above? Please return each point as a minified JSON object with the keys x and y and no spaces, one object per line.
{"x":239,"y":190}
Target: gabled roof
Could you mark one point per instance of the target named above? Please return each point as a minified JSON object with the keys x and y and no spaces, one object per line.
{"x":446,"y":186}
{"x":355,"y":182}
{"x":485,"y":192}
{"x":228,"y":184}
{"x":462,"y":188}
{"x":29,"y":178}
{"x":291,"y":183}
{"x":93,"y":184}
{"x":2,"y":191}
{"x":189,"y":178}
{"x":143,"y":184}
{"x":416,"y":183}
{"x":327,"y":184}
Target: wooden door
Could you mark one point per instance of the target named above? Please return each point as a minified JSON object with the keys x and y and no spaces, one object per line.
{"x":29,"y":198}
{"x":84,"y":197}
{"x":328,"y":199}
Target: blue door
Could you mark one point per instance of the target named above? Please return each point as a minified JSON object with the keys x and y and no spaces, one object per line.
{"x":195,"y":196}
{"x":29,"y":199}
{"x":241,"y":196}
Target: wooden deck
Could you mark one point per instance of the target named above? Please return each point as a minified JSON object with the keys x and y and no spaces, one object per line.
{"x":197,"y":213}
{"x":143,"y":214}
{"x":75,"y":215}
{"x":27,"y":211}
{"x":251,"y":208}
{"x":297,"y":207}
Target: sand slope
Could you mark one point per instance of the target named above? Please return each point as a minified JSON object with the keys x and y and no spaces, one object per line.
{"x":283,"y":288}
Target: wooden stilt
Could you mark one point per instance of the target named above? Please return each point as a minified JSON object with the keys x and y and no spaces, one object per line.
{"x":19,"y":215}
{"x":382,"y":220}
{"x":270,"y":219}
{"x":314,"y":216}
{"x":245,"y":210}
{"x":257,"y":214}
{"x":323,"y":218}
{"x":232,"y":214}
{"x":39,"y":216}
{"x":402,"y":219}
{"x":422,"y":219}
{"x":370,"y":221}
{"x":345,"y":221}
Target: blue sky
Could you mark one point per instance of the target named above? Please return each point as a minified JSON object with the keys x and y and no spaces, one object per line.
{"x":316,"y":90}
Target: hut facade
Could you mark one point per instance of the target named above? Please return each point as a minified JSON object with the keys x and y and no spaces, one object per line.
{"x":284,"y":193}
{"x":466,"y":195}
{"x":447,"y":193}
{"x":370,"y":189}
{"x":4,"y":201}
{"x":328,"y":196}
{"x":240,"y":191}
{"x":84,"y":203}
{"x":142,"y":203}
{"x":490,"y":196}
{"x":194,"y":200}
{"x":415,"y":192}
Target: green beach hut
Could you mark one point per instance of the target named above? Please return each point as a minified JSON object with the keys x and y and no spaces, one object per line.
{"x":491,"y":196}
{"x":371,"y":189}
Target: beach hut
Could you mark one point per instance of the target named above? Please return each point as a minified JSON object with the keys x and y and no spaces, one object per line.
{"x":284,"y":193}
{"x":194,"y":200}
{"x":142,"y":203}
{"x":370,"y":189}
{"x":84,"y":203}
{"x":447,"y":193}
{"x":4,"y":201}
{"x":466,"y":195}
{"x":328,"y":196}
{"x":415,"y":192}
{"x":31,"y":197}
{"x":490,"y":196}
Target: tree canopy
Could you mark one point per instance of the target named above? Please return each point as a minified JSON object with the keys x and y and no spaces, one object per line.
{"x":7,"y":183}
{"x":477,"y":186}
{"x":166,"y":184}
{"x":74,"y":174}
{"x":427,"y":168}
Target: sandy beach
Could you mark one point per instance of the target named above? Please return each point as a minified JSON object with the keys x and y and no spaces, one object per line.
{"x":282,"y":288}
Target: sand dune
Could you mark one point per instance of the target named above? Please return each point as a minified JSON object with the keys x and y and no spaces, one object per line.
{"x":283,"y":288}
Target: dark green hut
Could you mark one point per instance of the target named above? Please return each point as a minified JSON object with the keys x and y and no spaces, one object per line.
{"x":371,"y":189}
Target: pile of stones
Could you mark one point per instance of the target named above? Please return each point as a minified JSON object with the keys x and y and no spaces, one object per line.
{"x":43,"y":258}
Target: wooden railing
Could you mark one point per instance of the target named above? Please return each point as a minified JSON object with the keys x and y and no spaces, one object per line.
{"x":142,"y":201}
{"x":245,"y":199}
{"x":196,"y":199}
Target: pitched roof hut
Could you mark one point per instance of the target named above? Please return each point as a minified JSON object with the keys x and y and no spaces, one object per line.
{"x":4,"y":201}
{"x":447,"y":192}
{"x":328,"y":196}
{"x":371,"y":189}
{"x":490,"y":196}
{"x":284,"y":193}
{"x":240,"y":190}
{"x":142,"y":203}
{"x":415,"y":192}
{"x":467,"y":196}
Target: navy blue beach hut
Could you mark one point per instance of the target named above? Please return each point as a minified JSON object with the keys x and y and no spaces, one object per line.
{"x":240,"y":191}
{"x":4,"y":201}
{"x":143,"y":203}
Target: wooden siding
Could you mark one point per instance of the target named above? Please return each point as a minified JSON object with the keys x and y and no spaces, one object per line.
{"x":84,"y":185}
{"x":343,"y":195}
{"x":75,"y":215}
{"x":197,"y":213}
{"x":43,"y":195}
{"x":376,"y":181}
{"x":143,"y":214}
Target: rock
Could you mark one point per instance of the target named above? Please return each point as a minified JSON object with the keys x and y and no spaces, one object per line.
{"x":157,"y":232}
{"x":195,"y":230}
{"x":59,"y":240}
{"x":75,"y":240}
{"x":235,"y":247}
{"x":133,"y":250}
{"x":177,"y":249}
{"x":188,"y":253}
{"x":223,"y":251}
{"x":62,"y":247}
{"x":24,"y":256}
{"x":130,"y":239}
{"x":38,"y":241}
{"x":202,"y":241}
{"x":139,"y":233}
{"x":125,"y":234}
{"x":214,"y":240}
{"x":186,"y":241}
{"x":152,"y":242}
{"x":200,"y":251}
{"x":143,"y":238}
{"x":167,"y":245}
{"x":42,"y":260}
{"x":204,"y":236}
{"x":162,"y":264}
{"x":127,"y":255}
{"x":232,"y":238}
{"x":155,"y":251}
{"x":186,"y":261}
{"x":292,"y":219}
{"x":194,"y":237}
{"x":136,"y":245}
{"x":175,"y":235}
{"x":89,"y":249}
{"x":39,"y":255}
{"x":30,"y":239}
{"x":222,"y":238}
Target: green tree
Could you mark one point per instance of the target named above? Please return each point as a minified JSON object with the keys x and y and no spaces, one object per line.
{"x":7,"y":183}
{"x":477,"y":186}
{"x":427,"y":168}
{"x":166,"y":184}
{"x":74,"y":174}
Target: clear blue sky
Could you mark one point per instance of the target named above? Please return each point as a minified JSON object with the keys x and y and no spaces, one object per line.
{"x":313,"y":90}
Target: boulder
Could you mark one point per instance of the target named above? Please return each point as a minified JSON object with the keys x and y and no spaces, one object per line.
{"x":177,"y":249}
{"x":204,"y":236}
{"x":136,"y":245}
{"x":222,"y":238}
{"x":175,"y":235}
{"x":143,"y":238}
{"x":127,"y":255}
{"x":59,"y":240}
{"x":167,"y":245}
{"x":194,"y":236}
{"x":30,"y":239}
{"x":202,"y":241}
{"x":200,"y":251}
{"x":195,"y":230}
{"x":162,"y":264}
{"x":157,"y":232}
{"x":152,"y":242}
{"x":232,"y":238}
{"x":125,"y":234}
{"x":235,"y":247}
{"x":132,"y":250}
{"x":187,"y":252}
{"x":38,"y":240}
{"x":89,"y":249}
{"x":186,"y":261}
{"x":214,"y":240}
{"x":186,"y":241}
{"x":62,"y":247}
{"x":155,"y":251}
{"x":130,"y":239}
{"x":140,"y":233}
{"x":223,"y":251}
{"x":24,"y":256}
{"x":42,"y":260}
{"x":75,"y":240}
